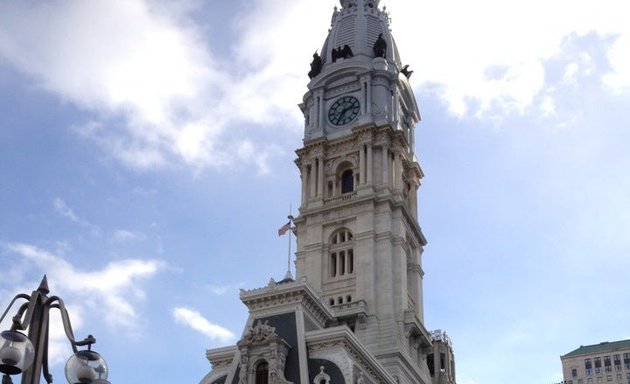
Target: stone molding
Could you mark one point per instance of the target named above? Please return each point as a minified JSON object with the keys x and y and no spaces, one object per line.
{"x":340,"y":346}
{"x":278,"y":295}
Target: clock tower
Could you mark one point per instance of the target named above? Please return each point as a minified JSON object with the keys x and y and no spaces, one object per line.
{"x":354,"y":313}
{"x":359,"y":241}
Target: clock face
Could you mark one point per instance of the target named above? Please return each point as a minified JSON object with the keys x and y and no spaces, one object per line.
{"x":344,"y":110}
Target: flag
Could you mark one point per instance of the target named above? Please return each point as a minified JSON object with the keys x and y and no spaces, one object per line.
{"x":284,"y":229}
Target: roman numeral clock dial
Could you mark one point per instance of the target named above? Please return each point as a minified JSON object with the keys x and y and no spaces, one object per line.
{"x":344,"y":110}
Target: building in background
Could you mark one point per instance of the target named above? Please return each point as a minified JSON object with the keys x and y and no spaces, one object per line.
{"x":603,"y":363}
{"x":441,"y":361}
{"x":354,"y":313}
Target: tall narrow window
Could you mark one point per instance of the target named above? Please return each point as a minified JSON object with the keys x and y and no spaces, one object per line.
{"x":598,"y":365}
{"x":342,"y":263}
{"x":347,"y":181}
{"x":350,"y":261}
{"x":262,"y":373}
{"x":341,"y":260}
{"x":431,"y":364}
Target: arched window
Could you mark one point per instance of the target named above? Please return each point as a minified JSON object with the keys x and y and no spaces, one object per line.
{"x":341,"y":260}
{"x":262,"y":373}
{"x":347,"y":181}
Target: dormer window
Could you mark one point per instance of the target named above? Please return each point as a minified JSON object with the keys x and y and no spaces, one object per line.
{"x":262,"y":373}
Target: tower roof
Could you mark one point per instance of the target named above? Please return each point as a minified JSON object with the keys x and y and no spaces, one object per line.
{"x":358,"y":25}
{"x":605,"y":346}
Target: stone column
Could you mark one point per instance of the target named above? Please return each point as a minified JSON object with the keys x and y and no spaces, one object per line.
{"x":304,"y":183}
{"x":398,"y":165}
{"x":385,"y":166}
{"x":320,"y":177}
{"x":369,"y":164}
{"x":312,"y":179}
{"x":362,"y":164}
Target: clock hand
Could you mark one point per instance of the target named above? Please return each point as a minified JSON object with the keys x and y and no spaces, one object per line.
{"x":350,"y":110}
{"x":343,"y":111}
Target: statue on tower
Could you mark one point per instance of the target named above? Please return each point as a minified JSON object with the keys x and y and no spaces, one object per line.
{"x":405,"y":71}
{"x":316,"y":66}
{"x":380,"y":46}
{"x":341,"y":53}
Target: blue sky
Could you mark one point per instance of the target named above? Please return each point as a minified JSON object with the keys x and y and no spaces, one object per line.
{"x":146,"y":162}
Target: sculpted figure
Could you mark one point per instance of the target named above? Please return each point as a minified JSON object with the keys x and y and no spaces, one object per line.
{"x":380,"y":46}
{"x":341,"y":53}
{"x":316,"y":66}
{"x":346,"y":51}
{"x":405,"y":71}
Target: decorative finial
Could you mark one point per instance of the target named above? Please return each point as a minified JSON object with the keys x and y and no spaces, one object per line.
{"x":43,"y":286}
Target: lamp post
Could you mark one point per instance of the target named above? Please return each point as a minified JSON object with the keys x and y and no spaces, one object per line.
{"x":28,"y":355}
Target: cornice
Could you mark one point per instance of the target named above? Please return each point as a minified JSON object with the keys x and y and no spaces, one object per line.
{"x":278,"y":295}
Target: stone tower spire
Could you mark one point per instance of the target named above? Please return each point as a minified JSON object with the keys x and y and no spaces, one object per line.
{"x":354,"y":313}
{"x":359,"y":241}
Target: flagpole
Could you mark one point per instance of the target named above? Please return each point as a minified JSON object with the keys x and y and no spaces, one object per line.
{"x":290,"y":217}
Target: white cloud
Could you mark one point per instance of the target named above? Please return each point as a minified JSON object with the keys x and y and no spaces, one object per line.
{"x":64,"y":210}
{"x":111,"y":291}
{"x":196,"y":321}
{"x":160,"y":96}
{"x":123,"y":235}
{"x":220,"y":290}
{"x":454,"y":43}
{"x":619,"y":56}
{"x":147,"y":74}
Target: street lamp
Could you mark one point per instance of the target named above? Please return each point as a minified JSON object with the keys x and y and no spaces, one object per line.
{"x":24,"y":355}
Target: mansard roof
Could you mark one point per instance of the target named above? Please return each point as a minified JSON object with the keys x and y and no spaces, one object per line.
{"x":603,"y":347}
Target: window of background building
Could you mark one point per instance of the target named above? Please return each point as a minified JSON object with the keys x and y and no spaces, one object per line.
{"x":589,"y":380}
{"x":609,"y":378}
{"x":617,"y":361}
{"x":599,"y":379}
{"x":430,"y":364}
{"x":626,"y":360}
{"x":598,"y":365}
{"x":607,"y":365}
{"x":588,"y":367}
{"x":619,"y":377}
{"x":580,"y":381}
{"x":574,"y":372}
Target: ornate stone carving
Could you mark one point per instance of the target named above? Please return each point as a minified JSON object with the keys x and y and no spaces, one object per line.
{"x":322,"y":377}
{"x":261,"y":333}
{"x":262,"y":344}
{"x":380,"y":47}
